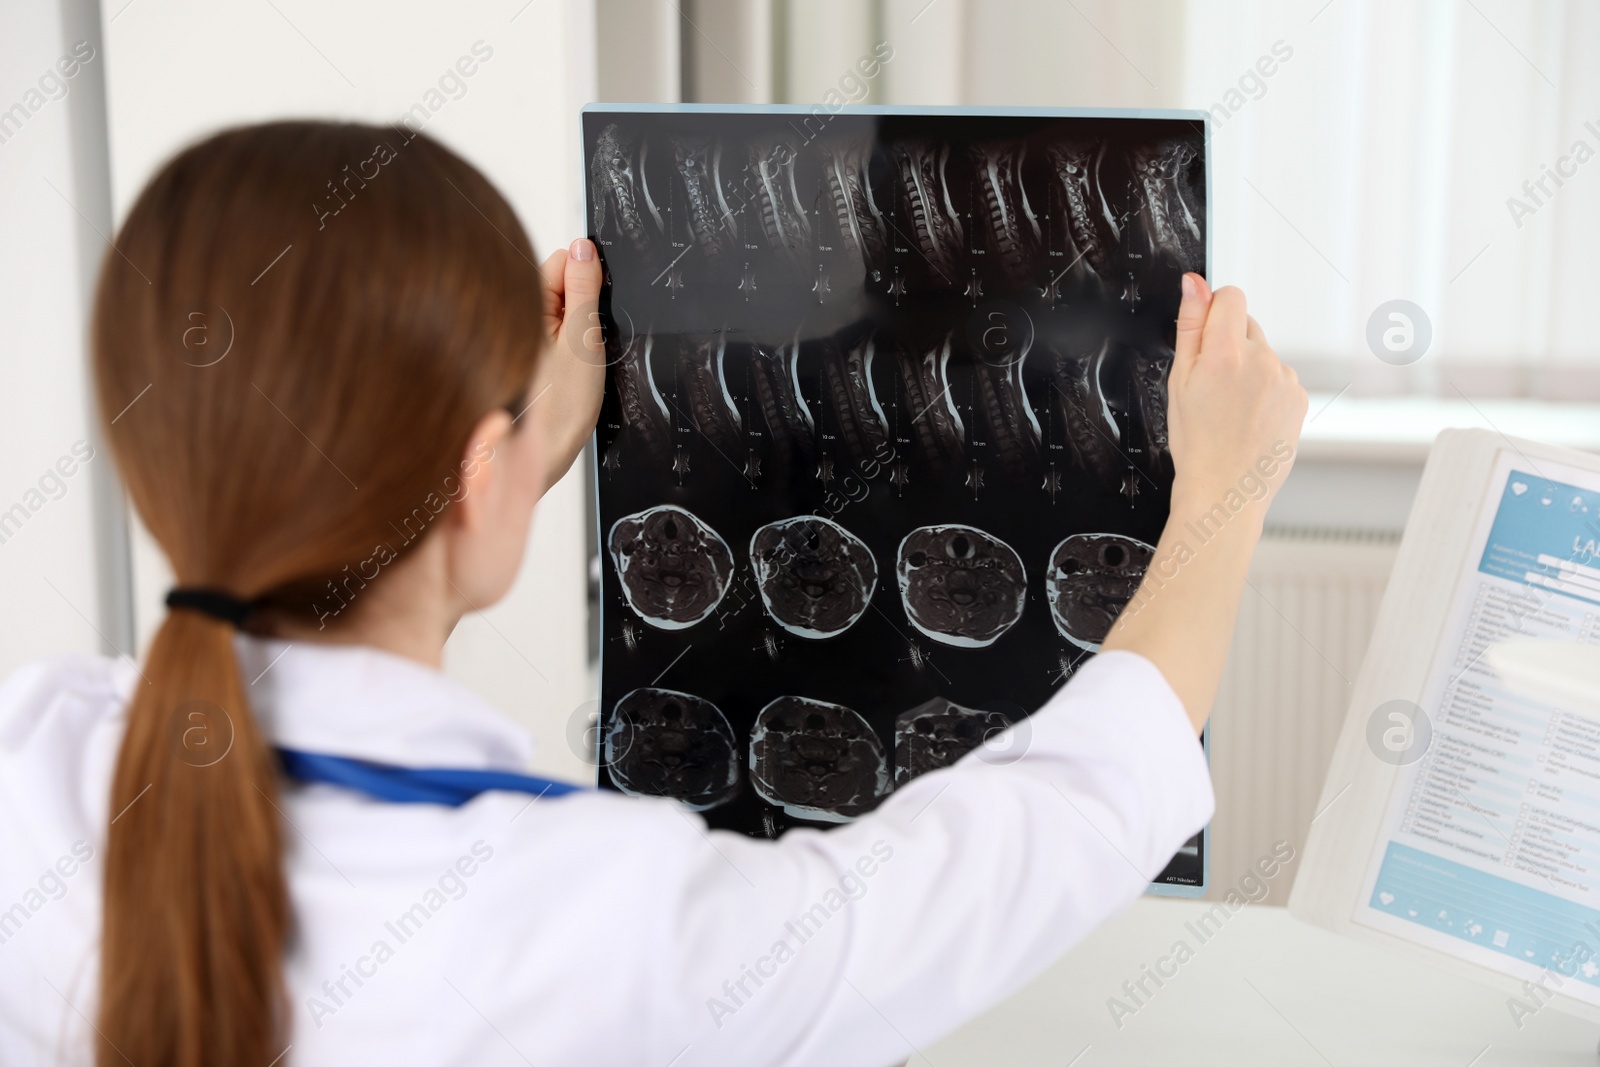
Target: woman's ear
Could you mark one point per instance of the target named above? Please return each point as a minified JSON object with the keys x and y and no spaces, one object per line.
{"x":483,"y":480}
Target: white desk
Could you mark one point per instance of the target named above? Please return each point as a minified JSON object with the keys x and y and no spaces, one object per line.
{"x":1318,"y":1000}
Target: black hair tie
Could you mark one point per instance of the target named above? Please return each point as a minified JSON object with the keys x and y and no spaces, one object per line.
{"x":224,"y":607}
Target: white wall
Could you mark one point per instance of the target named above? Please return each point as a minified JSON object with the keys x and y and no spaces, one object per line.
{"x":52,"y":199}
{"x":179,"y":69}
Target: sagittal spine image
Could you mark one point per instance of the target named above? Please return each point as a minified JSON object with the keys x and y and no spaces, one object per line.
{"x":1169,"y":208}
{"x":1092,"y":230}
{"x":860,"y":221}
{"x":1091,"y":578}
{"x":786,"y":419}
{"x":1094,"y":440}
{"x":674,"y":568}
{"x":858,"y":416}
{"x":1013,"y":428}
{"x":1150,"y":371}
{"x":817,"y":760}
{"x":663,"y":743}
{"x":622,"y":201}
{"x":936,"y":733}
{"x":784,"y":219}
{"x":816,"y":578}
{"x":699,"y":164}
{"x":1091,"y":216}
{"x":960,"y":585}
{"x":644,"y":410}
{"x":1011,"y":228}
{"x":705,"y":385}
{"x":940,"y":433}
{"x":925,"y":193}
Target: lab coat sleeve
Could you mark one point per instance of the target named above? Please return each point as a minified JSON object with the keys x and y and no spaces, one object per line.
{"x":865,"y":943}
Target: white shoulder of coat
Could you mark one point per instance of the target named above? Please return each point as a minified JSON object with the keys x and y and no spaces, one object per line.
{"x":73,"y":691}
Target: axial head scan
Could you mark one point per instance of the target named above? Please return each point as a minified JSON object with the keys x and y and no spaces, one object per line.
{"x":936,"y":733}
{"x":1092,"y":577}
{"x":662,"y":743}
{"x":959,"y":585}
{"x":816,"y":578}
{"x":817,"y":760}
{"x":674,"y":568}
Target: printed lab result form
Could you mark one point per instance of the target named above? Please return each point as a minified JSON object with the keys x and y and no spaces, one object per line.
{"x":1489,"y":846}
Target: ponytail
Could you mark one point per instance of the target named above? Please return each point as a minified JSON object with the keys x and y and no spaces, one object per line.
{"x":191,"y":967}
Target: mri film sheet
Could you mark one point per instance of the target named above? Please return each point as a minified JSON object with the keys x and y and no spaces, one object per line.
{"x":884,"y":444}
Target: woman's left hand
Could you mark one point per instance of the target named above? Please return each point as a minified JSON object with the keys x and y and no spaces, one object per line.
{"x":570,"y":380}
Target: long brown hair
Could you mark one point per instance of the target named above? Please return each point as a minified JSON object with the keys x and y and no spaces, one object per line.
{"x":295,"y":334}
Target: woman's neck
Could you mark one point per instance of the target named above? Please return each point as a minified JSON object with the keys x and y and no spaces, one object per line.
{"x":409,"y":610}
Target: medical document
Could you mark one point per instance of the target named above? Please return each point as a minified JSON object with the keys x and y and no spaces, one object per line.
{"x":1489,"y":847}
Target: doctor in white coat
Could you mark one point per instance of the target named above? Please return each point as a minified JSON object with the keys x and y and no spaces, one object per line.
{"x":287,"y":838}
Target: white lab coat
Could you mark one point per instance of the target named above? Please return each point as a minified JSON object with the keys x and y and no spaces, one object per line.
{"x":597,"y":929}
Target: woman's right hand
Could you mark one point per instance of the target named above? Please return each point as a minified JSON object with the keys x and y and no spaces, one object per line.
{"x":1234,"y":409}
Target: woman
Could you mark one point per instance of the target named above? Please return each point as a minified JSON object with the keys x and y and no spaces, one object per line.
{"x":353,"y":476}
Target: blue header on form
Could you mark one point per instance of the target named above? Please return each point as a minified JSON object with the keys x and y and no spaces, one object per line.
{"x":1541,"y":518}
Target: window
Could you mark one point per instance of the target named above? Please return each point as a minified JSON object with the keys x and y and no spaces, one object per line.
{"x":1441,"y":153}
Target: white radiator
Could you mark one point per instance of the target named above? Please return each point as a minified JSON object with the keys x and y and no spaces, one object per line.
{"x":1304,"y":626}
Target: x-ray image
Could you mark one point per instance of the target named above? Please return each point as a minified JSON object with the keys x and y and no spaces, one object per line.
{"x":1091,"y":579}
{"x":885,"y":437}
{"x":960,"y":585}
{"x":662,"y":743}
{"x":816,"y":578}
{"x":936,"y":733}
{"x":817,"y":760}
{"x":673,"y":567}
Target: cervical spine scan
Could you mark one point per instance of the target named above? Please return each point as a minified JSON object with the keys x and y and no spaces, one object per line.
{"x":959,"y":585}
{"x":816,"y":578}
{"x":817,"y":760}
{"x":937,"y":733}
{"x":662,"y":743}
{"x":674,"y":568}
{"x":1092,"y":577}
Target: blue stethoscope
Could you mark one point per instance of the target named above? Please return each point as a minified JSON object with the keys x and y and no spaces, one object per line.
{"x":450,"y":786}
